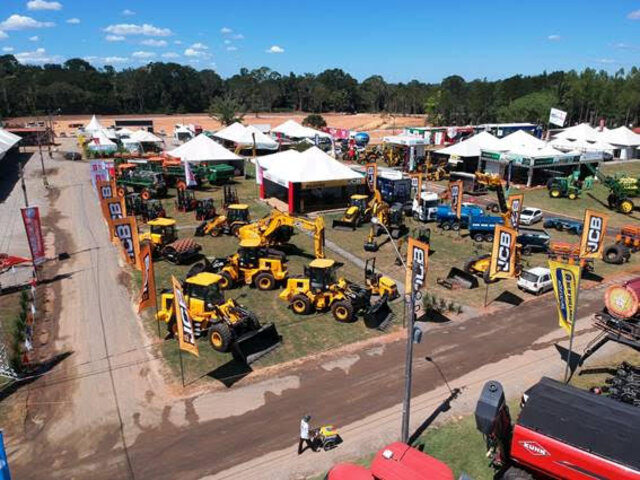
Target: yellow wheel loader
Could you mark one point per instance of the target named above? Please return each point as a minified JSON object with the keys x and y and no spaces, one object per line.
{"x":235,"y":217}
{"x":377,"y":283}
{"x":480,"y":264}
{"x":319,"y":290}
{"x":163,"y":237}
{"x":229,"y":326}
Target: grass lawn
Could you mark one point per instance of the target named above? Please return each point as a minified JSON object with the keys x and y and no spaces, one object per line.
{"x":9,"y":311}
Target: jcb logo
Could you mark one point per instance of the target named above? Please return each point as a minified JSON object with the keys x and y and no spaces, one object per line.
{"x":504,"y":252}
{"x":124,"y":233}
{"x":115,"y":210}
{"x":594,"y":233}
{"x":187,"y":329}
{"x":106,"y":191}
{"x":515,"y":213}
{"x":371,"y":175}
{"x":419,"y":267}
{"x":455,"y":195}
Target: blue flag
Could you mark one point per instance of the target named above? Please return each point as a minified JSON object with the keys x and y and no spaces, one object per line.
{"x":5,"y":474}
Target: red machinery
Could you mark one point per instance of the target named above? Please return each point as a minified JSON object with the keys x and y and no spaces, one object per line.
{"x":8,"y":261}
{"x":562,"y":433}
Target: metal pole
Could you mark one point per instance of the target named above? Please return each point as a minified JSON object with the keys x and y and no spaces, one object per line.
{"x":571,"y":335}
{"x":408,"y":364}
{"x":44,"y":173}
{"x":181,"y":366}
{"x":24,"y":186}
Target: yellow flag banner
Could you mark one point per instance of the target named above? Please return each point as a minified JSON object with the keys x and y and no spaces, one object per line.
{"x":418,"y":261}
{"x":184,"y":324}
{"x":126,"y":230}
{"x":105,"y":189}
{"x":371,"y":170}
{"x":148,"y":288}
{"x":566,"y":282}
{"x":593,"y":234}
{"x":455,"y":195}
{"x":514,"y":204}
{"x":503,"y":255}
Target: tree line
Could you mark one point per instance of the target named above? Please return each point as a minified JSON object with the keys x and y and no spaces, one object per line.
{"x":77,"y":87}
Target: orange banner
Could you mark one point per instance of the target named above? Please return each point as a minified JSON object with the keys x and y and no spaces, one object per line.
{"x":456,"y":190}
{"x":126,"y":230}
{"x":514,"y":204}
{"x":416,"y":184}
{"x":148,"y":288}
{"x":106,"y":189}
{"x":186,"y":333}
{"x":593,"y":233}
{"x":503,"y":256}
{"x":371,"y":170}
{"x":417,"y":264}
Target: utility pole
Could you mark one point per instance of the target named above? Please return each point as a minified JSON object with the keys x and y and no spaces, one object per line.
{"x":24,"y":186}
{"x":44,"y":172}
{"x":408,"y":363}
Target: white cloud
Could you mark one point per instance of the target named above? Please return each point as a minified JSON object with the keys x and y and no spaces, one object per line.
{"x":35,"y":38}
{"x":606,"y":61}
{"x":128,"y":13}
{"x":3,"y":35}
{"x":37,"y":56}
{"x":635,"y":15}
{"x":170,"y":55}
{"x":42,"y":5}
{"x":238,"y":36}
{"x":154,"y":43}
{"x":225,"y":30}
{"x":142,"y":54}
{"x":232,"y":48}
{"x":275,"y":49}
{"x":90,"y":58}
{"x":133,"y":29}
{"x":73,"y":21}
{"x":114,"y":38}
{"x":199,"y":46}
{"x":178,"y":42}
{"x":7,"y":49}
{"x":227,"y":42}
{"x":554,"y":37}
{"x":20,"y":22}
{"x":190,"y":52}
{"x":115,"y":59}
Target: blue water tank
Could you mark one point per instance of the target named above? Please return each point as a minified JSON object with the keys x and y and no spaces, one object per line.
{"x":362,"y":139}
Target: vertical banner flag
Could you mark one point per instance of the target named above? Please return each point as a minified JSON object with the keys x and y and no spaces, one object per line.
{"x":455,"y":195}
{"x":99,"y":171}
{"x":371,"y":170}
{"x":557,"y":117}
{"x":416,"y":184}
{"x":503,"y":256}
{"x":113,"y":208}
{"x":186,"y":335}
{"x":105,"y":189}
{"x":148,"y":289}
{"x":514,"y":204}
{"x":566,"y":282}
{"x":418,"y":258}
{"x":126,"y":230}
{"x":189,"y":176}
{"x":31,"y":219}
{"x":593,"y":233}
{"x":5,"y":474}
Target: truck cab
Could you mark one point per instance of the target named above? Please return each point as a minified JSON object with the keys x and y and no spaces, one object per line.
{"x":446,"y":217}
{"x":424,"y":209}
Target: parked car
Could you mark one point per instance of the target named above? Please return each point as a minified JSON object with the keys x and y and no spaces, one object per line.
{"x":72,"y":156}
{"x":560,"y":224}
{"x":533,"y":240}
{"x":535,"y":280}
{"x":530,"y":215}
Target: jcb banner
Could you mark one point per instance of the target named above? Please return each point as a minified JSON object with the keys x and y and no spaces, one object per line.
{"x":105,"y":189}
{"x":418,"y":261}
{"x":514,"y":204}
{"x":31,"y":220}
{"x":371,"y":170}
{"x":113,"y":208}
{"x":503,"y":256}
{"x":593,"y":233}
{"x":416,"y":184}
{"x":455,"y":195}
{"x":126,"y":230}
{"x":186,"y":333}
{"x":566,"y":282}
{"x":148,"y":289}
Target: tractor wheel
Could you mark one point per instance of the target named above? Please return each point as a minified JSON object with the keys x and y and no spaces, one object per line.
{"x":554,"y":193}
{"x":487,"y":278}
{"x":121,"y":191}
{"x":342,"y":311}
{"x":181,"y":185}
{"x":572,"y":195}
{"x":196,"y":269}
{"x":478,"y":237}
{"x":235,"y":229}
{"x":226,"y":282}
{"x":172,"y":328}
{"x":145,"y":194}
{"x":265,"y":281}
{"x":626,"y":206}
{"x":446,"y":226}
{"x":513,"y":473}
{"x":615,"y":254}
{"x":220,"y":337}
{"x":301,"y":304}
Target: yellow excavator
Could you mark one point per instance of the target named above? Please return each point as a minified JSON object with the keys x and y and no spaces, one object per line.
{"x":229,"y":326}
{"x":360,"y":210}
{"x":235,"y":217}
{"x":494,"y":183}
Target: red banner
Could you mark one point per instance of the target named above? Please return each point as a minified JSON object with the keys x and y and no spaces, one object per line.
{"x":31,"y":219}
{"x":340,"y":133}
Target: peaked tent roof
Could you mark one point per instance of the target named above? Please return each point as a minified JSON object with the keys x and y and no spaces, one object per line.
{"x":520,"y":140}
{"x":202,"y":149}
{"x":312,"y":165}
{"x":232,"y":132}
{"x":581,"y":145}
{"x":145,"y":136}
{"x":293,"y":129}
{"x":471,"y":146}
{"x":621,"y":136}
{"x":243,"y":135}
{"x":94,"y":125}
{"x":101,"y":139}
{"x":263,"y":141}
{"x":583,"y":131}
{"x":7,"y":141}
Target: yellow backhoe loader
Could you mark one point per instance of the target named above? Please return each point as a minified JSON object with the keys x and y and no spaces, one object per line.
{"x":228,"y":325}
{"x":235,"y":217}
{"x":360,"y":210}
{"x":494,"y":183}
{"x":163,"y":237}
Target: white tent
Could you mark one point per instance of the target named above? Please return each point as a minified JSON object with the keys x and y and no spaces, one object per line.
{"x":520,"y":140}
{"x":584,"y":132}
{"x":94,"y":125}
{"x":202,"y":149}
{"x":407,"y":140}
{"x":293,"y":129}
{"x":232,"y":133}
{"x":263,"y":141}
{"x":621,"y":136}
{"x":243,"y":136}
{"x":312,"y":165}
{"x":145,"y":136}
{"x":7,"y":141}
{"x":582,"y":145}
{"x":101,"y":141}
{"x":124,"y":132}
{"x":471,"y":146}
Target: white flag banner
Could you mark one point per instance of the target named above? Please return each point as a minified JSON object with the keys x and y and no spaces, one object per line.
{"x":188,"y":175}
{"x":557,"y":117}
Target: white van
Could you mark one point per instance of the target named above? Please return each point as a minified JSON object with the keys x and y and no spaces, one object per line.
{"x":536,"y":280}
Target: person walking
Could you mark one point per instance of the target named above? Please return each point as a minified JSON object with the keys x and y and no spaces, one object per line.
{"x":304,"y":435}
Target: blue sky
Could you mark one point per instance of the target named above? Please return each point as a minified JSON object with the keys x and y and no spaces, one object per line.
{"x":425,"y":40}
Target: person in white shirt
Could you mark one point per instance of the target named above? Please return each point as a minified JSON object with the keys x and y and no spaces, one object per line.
{"x":304,"y":435}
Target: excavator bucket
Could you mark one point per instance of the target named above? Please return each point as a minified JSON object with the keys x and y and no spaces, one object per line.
{"x":253,"y":345}
{"x":457,"y":278}
{"x":341,"y":224}
{"x":200,"y":229}
{"x":379,"y":314}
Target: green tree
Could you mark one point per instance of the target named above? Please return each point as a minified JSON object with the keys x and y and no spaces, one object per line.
{"x":314,"y":121}
{"x":226,"y":110}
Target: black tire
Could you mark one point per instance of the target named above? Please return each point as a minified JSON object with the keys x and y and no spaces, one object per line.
{"x":495,"y":208}
{"x":220,"y":337}
{"x":446,"y":226}
{"x":478,"y":237}
{"x":342,"y":311}
{"x":265,"y":281}
{"x":235,"y":229}
{"x":527,"y":250}
{"x":171,"y":255}
{"x":252,"y":322}
{"x":615,"y":254}
{"x":514,"y":473}
{"x":196,"y":269}
{"x":455,"y":226}
{"x":227,"y":281}
{"x":488,"y":237}
{"x":300,"y":304}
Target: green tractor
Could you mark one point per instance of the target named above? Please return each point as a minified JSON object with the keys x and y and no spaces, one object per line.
{"x":219,"y":173}
{"x":147,"y":183}
{"x":565,"y":187}
{"x":622,"y":190}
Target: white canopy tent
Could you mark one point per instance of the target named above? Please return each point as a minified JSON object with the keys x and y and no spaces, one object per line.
{"x":7,"y":141}
{"x":582,"y":145}
{"x":625,"y":139}
{"x":93,"y":126}
{"x":145,"y":136}
{"x":101,"y":142}
{"x":263,"y":141}
{"x":203,"y":149}
{"x":583,"y":131}
{"x":471,"y":146}
{"x":124,"y":132}
{"x":293,"y":129}
{"x":406,"y":140}
{"x":520,"y":141}
{"x":243,"y":136}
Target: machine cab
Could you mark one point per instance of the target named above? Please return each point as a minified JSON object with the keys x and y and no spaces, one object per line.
{"x":238,"y":212}
{"x":203,"y":292}
{"x":249,"y":253}
{"x":163,"y":231}
{"x":321,"y":274}
{"x":359,"y":201}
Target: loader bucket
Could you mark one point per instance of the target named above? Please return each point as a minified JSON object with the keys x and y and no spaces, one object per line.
{"x":343,"y":225}
{"x":200,"y":229}
{"x":256,"y":344}
{"x":457,"y":278}
{"x":379,"y":314}
{"x":371,"y":246}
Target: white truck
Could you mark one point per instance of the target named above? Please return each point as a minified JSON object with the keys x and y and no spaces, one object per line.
{"x":424,"y":209}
